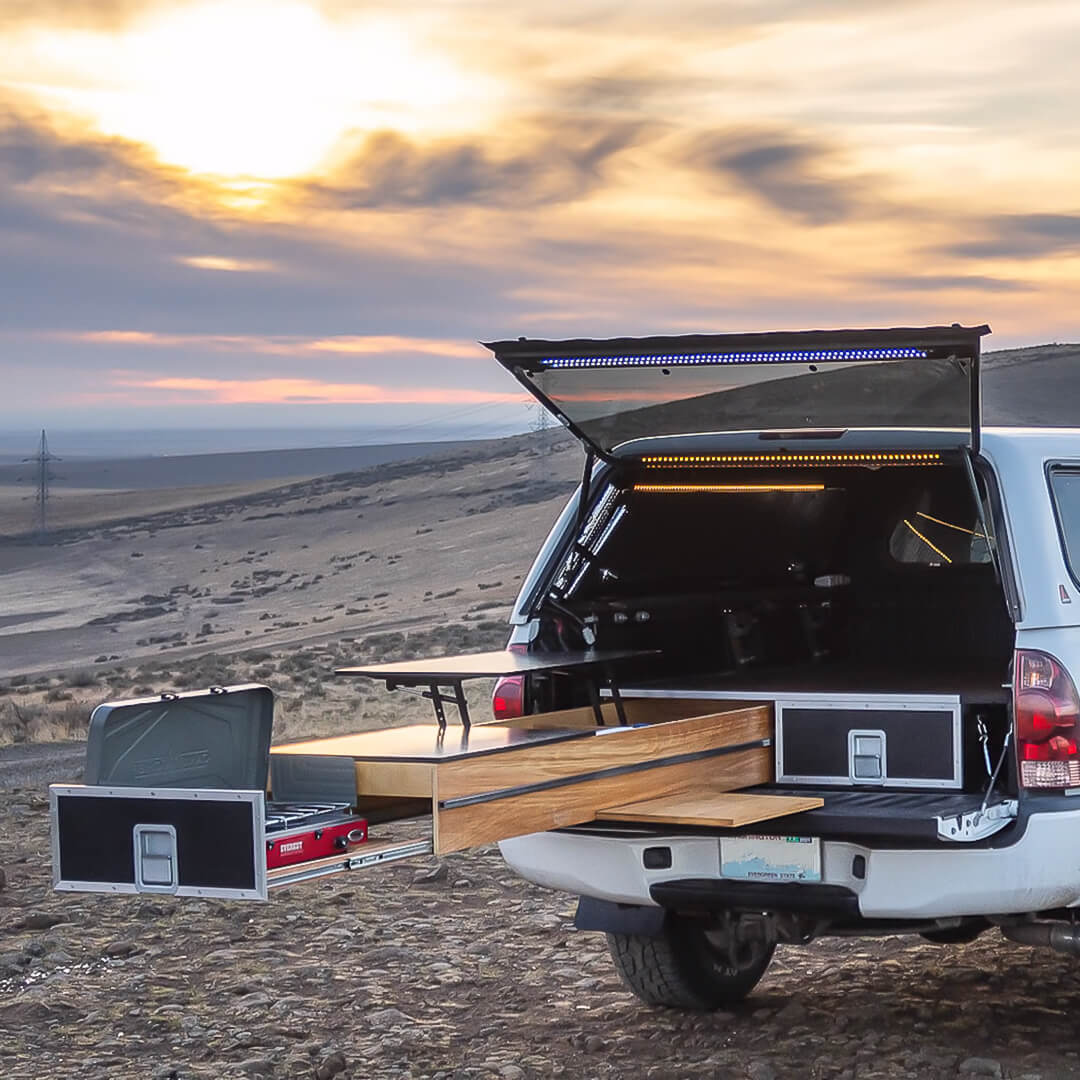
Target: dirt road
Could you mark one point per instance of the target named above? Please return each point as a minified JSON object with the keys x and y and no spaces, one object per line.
{"x":37,"y":766}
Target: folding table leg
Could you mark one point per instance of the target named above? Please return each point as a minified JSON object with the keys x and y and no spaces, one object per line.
{"x":436,"y":701}
{"x":463,"y":705}
{"x":594,"y":699}
{"x":616,"y":697}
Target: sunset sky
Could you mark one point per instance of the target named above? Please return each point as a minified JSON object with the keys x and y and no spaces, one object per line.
{"x":303,"y":212}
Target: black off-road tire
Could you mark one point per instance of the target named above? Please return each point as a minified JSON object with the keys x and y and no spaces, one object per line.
{"x":682,"y":969}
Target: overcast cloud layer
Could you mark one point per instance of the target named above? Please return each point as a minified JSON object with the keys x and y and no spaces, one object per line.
{"x":326,"y":205}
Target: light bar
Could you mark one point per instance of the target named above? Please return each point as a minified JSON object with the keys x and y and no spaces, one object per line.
{"x":723,"y":489}
{"x":883,"y":457}
{"x":932,"y":546}
{"x":799,"y":356}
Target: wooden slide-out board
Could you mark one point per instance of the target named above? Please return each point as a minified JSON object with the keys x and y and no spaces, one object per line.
{"x":717,"y":809}
{"x":494,"y":784}
{"x":589,"y":773}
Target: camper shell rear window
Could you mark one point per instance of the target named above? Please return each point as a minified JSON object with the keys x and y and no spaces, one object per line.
{"x":679,"y":534}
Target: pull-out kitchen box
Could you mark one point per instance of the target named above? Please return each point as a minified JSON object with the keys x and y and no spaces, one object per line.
{"x":499,"y":781}
{"x":131,"y":830}
{"x":175,"y":802}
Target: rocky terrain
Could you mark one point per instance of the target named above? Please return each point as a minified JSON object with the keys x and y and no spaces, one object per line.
{"x":456,"y":969}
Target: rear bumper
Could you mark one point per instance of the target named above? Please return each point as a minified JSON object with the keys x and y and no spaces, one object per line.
{"x":1040,"y":871}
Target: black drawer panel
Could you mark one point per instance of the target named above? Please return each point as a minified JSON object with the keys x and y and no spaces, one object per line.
{"x":906,"y":747}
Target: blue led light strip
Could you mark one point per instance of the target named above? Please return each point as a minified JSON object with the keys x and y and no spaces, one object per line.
{"x":684,"y":359}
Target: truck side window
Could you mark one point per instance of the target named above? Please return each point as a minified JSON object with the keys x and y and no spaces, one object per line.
{"x":1065,"y":488}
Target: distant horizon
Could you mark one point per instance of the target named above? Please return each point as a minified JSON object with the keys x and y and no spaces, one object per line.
{"x":237,"y":428}
{"x":103,"y":443}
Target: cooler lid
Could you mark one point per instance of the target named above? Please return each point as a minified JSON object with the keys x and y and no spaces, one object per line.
{"x":214,"y":738}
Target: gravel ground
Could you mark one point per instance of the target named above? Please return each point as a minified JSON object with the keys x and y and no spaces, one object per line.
{"x":455,"y":968}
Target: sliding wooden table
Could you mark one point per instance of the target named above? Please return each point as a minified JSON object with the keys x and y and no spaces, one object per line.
{"x":494,"y":781}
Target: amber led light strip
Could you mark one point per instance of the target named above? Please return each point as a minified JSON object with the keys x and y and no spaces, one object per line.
{"x":722,"y":489}
{"x":884,"y":457}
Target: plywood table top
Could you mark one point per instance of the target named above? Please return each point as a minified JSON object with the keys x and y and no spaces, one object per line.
{"x":424,"y":743}
{"x":495,"y":664}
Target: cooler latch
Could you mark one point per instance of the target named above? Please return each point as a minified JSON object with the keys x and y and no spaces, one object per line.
{"x":866,"y":757}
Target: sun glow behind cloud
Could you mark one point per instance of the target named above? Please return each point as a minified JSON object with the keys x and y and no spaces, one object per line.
{"x":244,"y":89}
{"x":351,"y":192}
{"x":226,"y":263}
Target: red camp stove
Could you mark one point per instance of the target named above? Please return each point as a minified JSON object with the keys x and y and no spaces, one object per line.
{"x":297,"y":833}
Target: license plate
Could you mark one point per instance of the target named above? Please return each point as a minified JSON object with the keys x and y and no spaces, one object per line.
{"x":771,"y":858}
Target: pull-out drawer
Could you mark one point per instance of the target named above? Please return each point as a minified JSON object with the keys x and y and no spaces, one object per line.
{"x":549,"y":771}
{"x":198,"y":842}
{"x":465,"y":787}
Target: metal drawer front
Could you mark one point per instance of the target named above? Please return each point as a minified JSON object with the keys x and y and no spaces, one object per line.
{"x":165,"y":840}
{"x":886,"y":740}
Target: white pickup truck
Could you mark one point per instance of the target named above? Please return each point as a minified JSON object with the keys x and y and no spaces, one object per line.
{"x":850,"y":610}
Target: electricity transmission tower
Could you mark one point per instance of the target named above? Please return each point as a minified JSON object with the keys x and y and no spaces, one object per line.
{"x":542,"y":422}
{"x":538,"y":467}
{"x":44,"y":474}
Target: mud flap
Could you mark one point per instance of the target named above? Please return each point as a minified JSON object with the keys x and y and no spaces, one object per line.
{"x":641,"y":921}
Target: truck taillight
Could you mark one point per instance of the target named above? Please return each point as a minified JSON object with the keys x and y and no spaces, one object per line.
{"x":508,"y":697}
{"x":1047,"y":722}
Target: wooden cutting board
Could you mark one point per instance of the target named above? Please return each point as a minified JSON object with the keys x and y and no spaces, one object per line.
{"x":716,"y":809}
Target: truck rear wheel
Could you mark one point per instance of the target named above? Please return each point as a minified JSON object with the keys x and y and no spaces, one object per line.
{"x":687,"y":966}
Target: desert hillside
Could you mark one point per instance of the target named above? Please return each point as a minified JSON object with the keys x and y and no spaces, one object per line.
{"x":277,"y":585}
{"x":450,"y":969}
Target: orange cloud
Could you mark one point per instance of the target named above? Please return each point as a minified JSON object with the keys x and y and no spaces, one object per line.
{"x":394,"y":344}
{"x":284,"y":391}
{"x":350,"y":344}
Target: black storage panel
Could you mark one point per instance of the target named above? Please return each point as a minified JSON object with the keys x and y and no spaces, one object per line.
{"x":175,"y":841}
{"x":885,"y":740}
